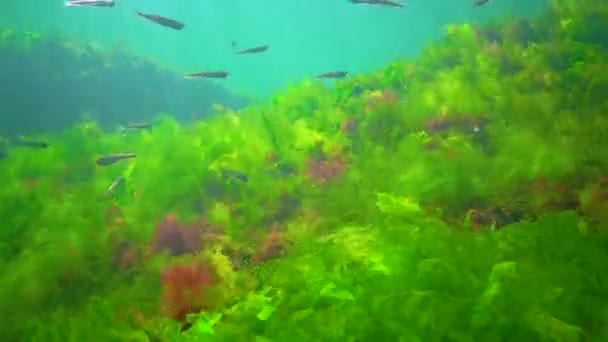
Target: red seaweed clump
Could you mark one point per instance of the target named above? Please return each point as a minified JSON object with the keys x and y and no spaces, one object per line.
{"x":178,"y":238}
{"x":553,"y":195}
{"x":326,"y":169}
{"x":498,"y":217}
{"x":168,"y":236}
{"x":273,"y":247}
{"x":126,"y":256}
{"x":184,"y":288}
{"x":464,"y":123}
{"x":200,"y":233}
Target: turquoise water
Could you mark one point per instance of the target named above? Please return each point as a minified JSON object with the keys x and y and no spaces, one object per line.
{"x":306,"y":37}
{"x":453,"y":187}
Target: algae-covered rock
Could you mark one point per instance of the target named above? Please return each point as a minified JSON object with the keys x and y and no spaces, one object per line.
{"x":113,"y":87}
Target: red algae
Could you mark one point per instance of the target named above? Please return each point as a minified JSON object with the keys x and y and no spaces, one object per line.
{"x":272,"y":248}
{"x":179,"y":238}
{"x":200,"y":233}
{"x":168,"y":236}
{"x":125,"y":256}
{"x":326,"y":169}
{"x":465,"y":123}
{"x":184,"y":288}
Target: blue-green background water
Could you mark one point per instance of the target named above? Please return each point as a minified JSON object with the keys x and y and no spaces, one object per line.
{"x":306,"y":37}
{"x":416,"y":203}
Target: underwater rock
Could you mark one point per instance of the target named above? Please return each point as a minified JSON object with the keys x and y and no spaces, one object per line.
{"x":111,"y":86}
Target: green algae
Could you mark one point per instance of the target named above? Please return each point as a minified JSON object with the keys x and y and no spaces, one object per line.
{"x":455,"y":197}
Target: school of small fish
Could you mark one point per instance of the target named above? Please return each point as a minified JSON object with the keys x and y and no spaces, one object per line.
{"x":113,"y":158}
{"x":221,"y":74}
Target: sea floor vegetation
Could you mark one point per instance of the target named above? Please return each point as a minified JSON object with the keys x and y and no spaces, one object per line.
{"x":461,"y":196}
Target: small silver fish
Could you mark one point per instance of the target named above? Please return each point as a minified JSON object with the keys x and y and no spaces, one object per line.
{"x":235,"y":174}
{"x":90,"y":3}
{"x":112,"y":188}
{"x":137,"y":125}
{"x":32,"y":143}
{"x":333,"y":74}
{"x":114,"y":158}
{"x":163,"y":21}
{"x":388,"y":3}
{"x":480,"y":2}
{"x":257,"y":49}
{"x":208,"y":74}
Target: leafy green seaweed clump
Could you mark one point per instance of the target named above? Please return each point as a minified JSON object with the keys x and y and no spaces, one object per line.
{"x":461,"y":196}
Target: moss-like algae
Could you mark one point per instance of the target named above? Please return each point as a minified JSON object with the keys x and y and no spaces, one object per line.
{"x":457,"y":197}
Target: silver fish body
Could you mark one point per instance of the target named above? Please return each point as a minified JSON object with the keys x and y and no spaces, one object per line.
{"x":235,"y":174}
{"x":90,"y":3}
{"x":114,"y":158}
{"x":137,"y":125}
{"x":208,"y":74}
{"x":164,"y":21}
{"x":115,"y":185}
{"x":333,"y":75}
{"x":387,"y":3}
{"x":257,"y":49}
